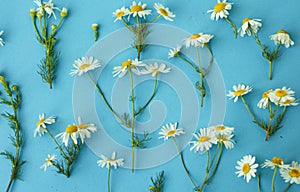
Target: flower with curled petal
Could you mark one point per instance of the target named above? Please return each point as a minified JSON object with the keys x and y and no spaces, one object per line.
{"x":164,"y":11}
{"x":84,"y":129}
{"x":131,"y":65}
{"x":220,"y":10}
{"x":1,"y":40}
{"x":139,"y":9}
{"x":110,"y":162}
{"x":155,"y":69}
{"x":204,"y":140}
{"x":239,"y":90}
{"x":70,"y":132}
{"x":282,"y":38}
{"x":174,"y":52}
{"x":120,"y":13}
{"x":84,"y":65}
{"x":274,"y":162}
{"x":41,"y":124}
{"x":292,"y":174}
{"x":198,"y":39}
{"x":47,"y":6}
{"x":264,"y":101}
{"x":250,"y":26}
{"x":48,"y":162}
{"x":170,"y":130}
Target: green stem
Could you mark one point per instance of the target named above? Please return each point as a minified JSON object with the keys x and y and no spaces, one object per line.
{"x":270,"y":70}
{"x":132,"y":119}
{"x":216,"y":165}
{"x":258,"y":183}
{"x":206,"y":171}
{"x":58,"y":145}
{"x":235,"y":31}
{"x":108,"y":178}
{"x":188,"y":62}
{"x":287,"y":188}
{"x":198,"y":58}
{"x":250,"y":112}
{"x":36,"y":30}
{"x":155,"y":19}
{"x":210,"y":62}
{"x":273,"y":178}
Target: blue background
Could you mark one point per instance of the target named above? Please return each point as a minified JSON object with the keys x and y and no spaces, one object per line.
{"x":239,"y":60}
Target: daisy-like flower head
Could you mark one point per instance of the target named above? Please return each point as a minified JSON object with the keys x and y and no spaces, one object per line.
{"x":155,"y":69}
{"x":1,"y":40}
{"x":120,"y":13}
{"x":170,"y":130}
{"x":246,"y":167}
{"x":48,"y":162}
{"x":204,"y":140}
{"x":198,"y":39}
{"x":41,"y":124}
{"x":238,"y":91}
{"x":282,"y":38}
{"x":289,"y":102}
{"x":47,"y":6}
{"x":220,"y":10}
{"x":174,"y":52}
{"x":132,"y":65}
{"x":226,"y":140}
{"x":84,"y":65}
{"x":281,"y":95}
{"x":71,"y":131}
{"x":275,"y":162}
{"x":249,"y":26}
{"x":84,"y":130}
{"x":164,"y":11}
{"x":139,"y":10}
{"x":264,"y":101}
{"x":222,"y":129}
{"x":291,"y":174}
{"x":109,"y":162}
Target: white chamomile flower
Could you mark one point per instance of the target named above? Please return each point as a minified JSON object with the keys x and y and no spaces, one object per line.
{"x":282,"y":38}
{"x":249,"y":26}
{"x":220,"y":10}
{"x":84,"y":130}
{"x":292,"y":174}
{"x":264,"y":101}
{"x":47,"y":6}
{"x":139,"y":10}
{"x":204,"y":140}
{"x":131,"y":65}
{"x":222,"y":129}
{"x":120,"y":13}
{"x":281,"y":95}
{"x":226,"y":140}
{"x":70,"y":132}
{"x":174,"y":52}
{"x":41,"y":124}
{"x":198,"y":39}
{"x":170,"y":130}
{"x":155,"y":69}
{"x":288,"y":102}
{"x":247,"y":167}
{"x":239,"y":90}
{"x":1,"y":40}
{"x":48,"y":162}
{"x":164,"y":11}
{"x":84,"y":65}
{"x":275,"y":162}
{"x":110,"y":162}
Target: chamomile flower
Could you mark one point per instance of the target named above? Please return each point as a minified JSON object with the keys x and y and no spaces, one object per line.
{"x":246,"y":167}
{"x":288,"y":102}
{"x":120,"y":13}
{"x":170,"y":130}
{"x":1,"y":40}
{"x":131,"y":65}
{"x":139,"y":10}
{"x":47,"y":6}
{"x":275,"y":162}
{"x":41,"y":124}
{"x":164,"y":11}
{"x":174,"y":52}
{"x":249,"y":26}
{"x":155,"y":69}
{"x":110,"y":162}
{"x":282,"y":38}
{"x":84,"y":130}
{"x":264,"y":101}
{"x":239,"y":90}
{"x":198,"y":39}
{"x":48,"y":162}
{"x":281,"y":95}
{"x":204,"y":140}
{"x":220,"y":10}
{"x":222,"y":129}
{"x":292,"y":174}
{"x":70,"y":132}
{"x":84,"y":65}
{"x":226,"y":140}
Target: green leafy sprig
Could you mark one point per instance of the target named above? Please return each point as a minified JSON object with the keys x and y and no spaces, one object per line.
{"x":157,"y":183}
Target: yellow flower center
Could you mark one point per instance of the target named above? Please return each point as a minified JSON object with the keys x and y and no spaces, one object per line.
{"x":282,"y":31}
{"x":84,"y":66}
{"x":223,"y":139}
{"x":195,"y":36}
{"x":265,"y":94}
{"x":294,"y":173}
{"x":40,"y":122}
{"x":151,"y":188}
{"x":203,"y":139}
{"x":245,"y":20}
{"x":136,"y":8}
{"x":277,"y":161}
{"x":71,"y":129}
{"x":126,"y":63}
{"x":171,"y":133}
{"x":280,"y":93}
{"x":239,"y":92}
{"x":83,"y":126}
{"x":163,"y":12}
{"x":219,"y":7}
{"x":220,"y":128}
{"x":287,"y":102}
{"x":120,"y":14}
{"x":246,"y":168}
{"x":48,"y":160}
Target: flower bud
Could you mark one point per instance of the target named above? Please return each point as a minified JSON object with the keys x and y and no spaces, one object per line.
{"x":2,"y":79}
{"x":64,"y":12}
{"x":95,"y":26}
{"x":14,"y":88}
{"x":39,"y":14}
{"x":53,"y":27}
{"x":32,"y":12}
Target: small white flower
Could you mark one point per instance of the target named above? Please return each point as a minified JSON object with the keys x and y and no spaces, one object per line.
{"x":198,"y":39}
{"x":41,"y":124}
{"x":47,"y":6}
{"x":292,"y":174}
{"x":275,"y":162}
{"x":238,"y":91}
{"x":288,"y":102}
{"x":84,"y":130}
{"x":131,"y":65}
{"x":281,"y":95}
{"x":204,"y":140}
{"x":109,"y":162}
{"x":1,"y":40}
{"x":70,"y":132}
{"x":139,"y":10}
{"x":175,"y":51}
{"x":120,"y":13}
{"x":264,"y":101}
{"x":164,"y":11}
{"x":246,"y":167}
{"x":226,"y":140}
{"x":170,"y":130}
{"x":282,"y":38}
{"x":222,"y":129}
{"x":249,"y":26}
{"x":220,"y":10}
{"x":84,"y":65}
{"x":48,"y":162}
{"x":155,"y":69}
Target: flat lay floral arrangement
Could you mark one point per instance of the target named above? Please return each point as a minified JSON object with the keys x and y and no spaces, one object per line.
{"x":210,"y":144}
